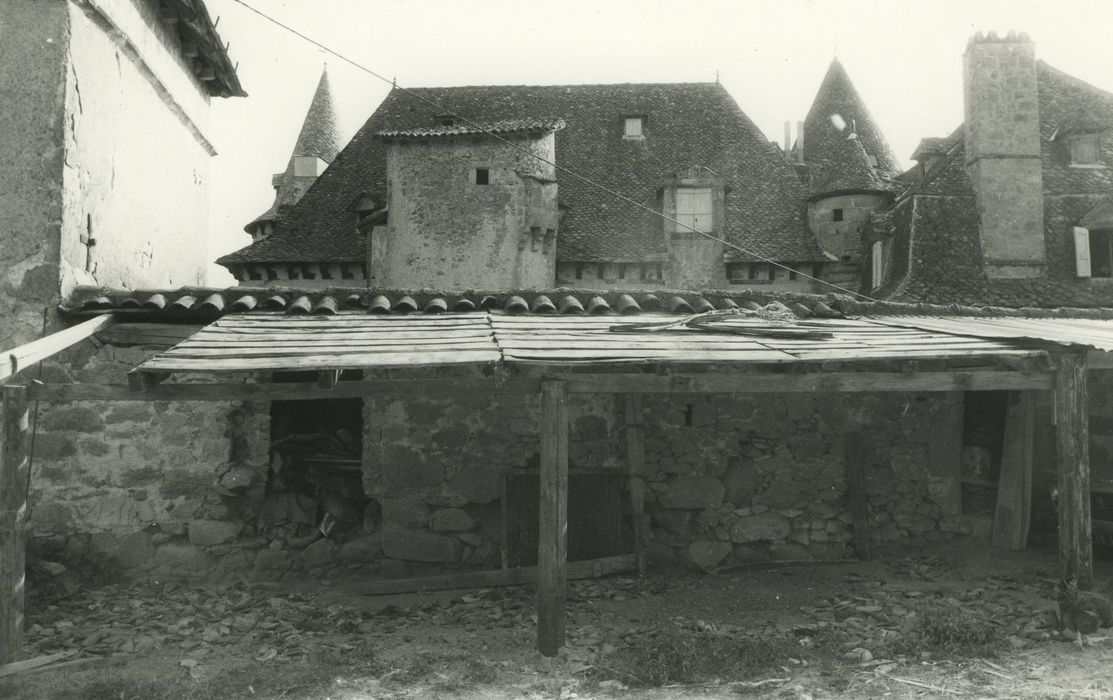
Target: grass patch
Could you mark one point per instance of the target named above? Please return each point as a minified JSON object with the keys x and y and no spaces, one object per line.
{"x":954,"y":633}
{"x":687,"y":656}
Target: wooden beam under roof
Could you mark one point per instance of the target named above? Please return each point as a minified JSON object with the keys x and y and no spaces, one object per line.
{"x":22,"y":357}
{"x":632,"y":383}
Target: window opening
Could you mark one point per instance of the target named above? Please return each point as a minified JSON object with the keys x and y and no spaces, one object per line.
{"x":1101,"y":253}
{"x":693,"y":209}
{"x":633,"y":128}
{"x":837,"y":214}
{"x":315,"y":480}
{"x":482,"y":176}
{"x":1084,"y":149}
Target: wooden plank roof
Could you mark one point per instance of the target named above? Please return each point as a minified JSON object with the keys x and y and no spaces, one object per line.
{"x":353,"y":340}
{"x":1091,"y":333}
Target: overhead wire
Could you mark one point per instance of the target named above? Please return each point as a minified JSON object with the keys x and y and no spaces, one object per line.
{"x":445,"y":111}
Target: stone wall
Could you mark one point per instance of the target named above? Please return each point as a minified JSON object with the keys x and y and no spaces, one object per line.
{"x":445,"y":231}
{"x":730,"y":478}
{"x":162,"y":487}
{"x":1002,"y":145}
{"x":186,"y":489}
{"x":843,"y":237}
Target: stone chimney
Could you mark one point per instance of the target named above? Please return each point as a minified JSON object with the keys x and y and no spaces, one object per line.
{"x":1002,"y":140}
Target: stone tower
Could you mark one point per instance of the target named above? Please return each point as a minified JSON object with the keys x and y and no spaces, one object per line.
{"x":849,"y":164}
{"x":469,"y":210}
{"x":1002,"y":142}
{"x":316,"y":147}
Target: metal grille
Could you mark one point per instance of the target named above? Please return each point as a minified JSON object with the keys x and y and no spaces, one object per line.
{"x":596,"y":523}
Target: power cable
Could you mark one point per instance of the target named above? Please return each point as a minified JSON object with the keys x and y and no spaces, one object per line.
{"x":441,"y":109}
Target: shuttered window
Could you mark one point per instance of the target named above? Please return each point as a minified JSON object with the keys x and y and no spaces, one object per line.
{"x":1099,"y":262}
{"x":693,"y":209}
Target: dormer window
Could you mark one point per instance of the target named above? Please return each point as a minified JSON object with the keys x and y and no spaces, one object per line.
{"x":1085,"y":149}
{"x":694,"y":209}
{"x":633,"y":128}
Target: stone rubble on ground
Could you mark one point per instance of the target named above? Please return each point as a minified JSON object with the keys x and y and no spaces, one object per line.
{"x":201,"y":622}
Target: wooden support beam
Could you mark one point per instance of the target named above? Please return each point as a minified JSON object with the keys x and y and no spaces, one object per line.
{"x":859,"y":455}
{"x":140,"y":380}
{"x":1014,"y":486}
{"x":591,"y":568}
{"x":1072,"y":436}
{"x":635,"y":456}
{"x":714,"y":383}
{"x":327,"y":379}
{"x":293,"y":391}
{"x":14,"y":466}
{"x":24,"y":356}
{"x":163,"y":334}
{"x":552,"y":550}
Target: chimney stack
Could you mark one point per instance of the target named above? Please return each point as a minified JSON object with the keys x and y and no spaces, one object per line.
{"x":1002,"y":143}
{"x":799,"y":142}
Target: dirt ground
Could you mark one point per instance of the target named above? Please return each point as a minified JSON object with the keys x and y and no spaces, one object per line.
{"x":925,"y":623}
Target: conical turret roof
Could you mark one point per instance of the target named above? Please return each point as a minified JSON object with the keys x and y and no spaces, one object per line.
{"x":319,"y":134}
{"x":846,"y":168}
{"x":837,"y":96}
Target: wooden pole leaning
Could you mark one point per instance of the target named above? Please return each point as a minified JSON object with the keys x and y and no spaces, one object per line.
{"x":552,"y":551}
{"x":1072,"y":436}
{"x":14,"y":466}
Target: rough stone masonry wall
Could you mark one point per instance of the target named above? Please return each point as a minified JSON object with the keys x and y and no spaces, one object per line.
{"x":165,"y":489}
{"x":730,"y":478}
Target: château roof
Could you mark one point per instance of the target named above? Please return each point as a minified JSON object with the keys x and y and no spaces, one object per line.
{"x":837,"y":96}
{"x":845,"y":168}
{"x":471,"y":128}
{"x":686,"y":124}
{"x":319,"y":134}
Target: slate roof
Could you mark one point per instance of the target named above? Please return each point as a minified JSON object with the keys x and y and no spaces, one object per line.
{"x":319,"y":135}
{"x":931,"y":145}
{"x":686,"y":124}
{"x":938,"y":234}
{"x":837,"y":96}
{"x":845,"y":168}
{"x":503,"y":126}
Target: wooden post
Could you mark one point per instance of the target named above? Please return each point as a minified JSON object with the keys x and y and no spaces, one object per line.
{"x":1014,"y":487}
{"x":14,"y":465}
{"x":1072,"y":436}
{"x":859,"y":454}
{"x":552,"y":550}
{"x":635,"y":455}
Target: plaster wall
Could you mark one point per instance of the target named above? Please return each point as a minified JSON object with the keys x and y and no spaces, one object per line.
{"x":33,"y":39}
{"x":140,"y":193}
{"x":446,"y":232}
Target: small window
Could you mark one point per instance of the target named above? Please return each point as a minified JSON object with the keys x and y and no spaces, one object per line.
{"x":346,"y":272}
{"x":633,"y":128}
{"x":1101,"y":253}
{"x":622,"y":271}
{"x":1085,"y":149}
{"x":579,"y":271}
{"x":837,"y":213}
{"x":482,"y":176}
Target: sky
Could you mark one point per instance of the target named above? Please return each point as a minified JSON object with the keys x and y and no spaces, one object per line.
{"x":904,"y":57}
